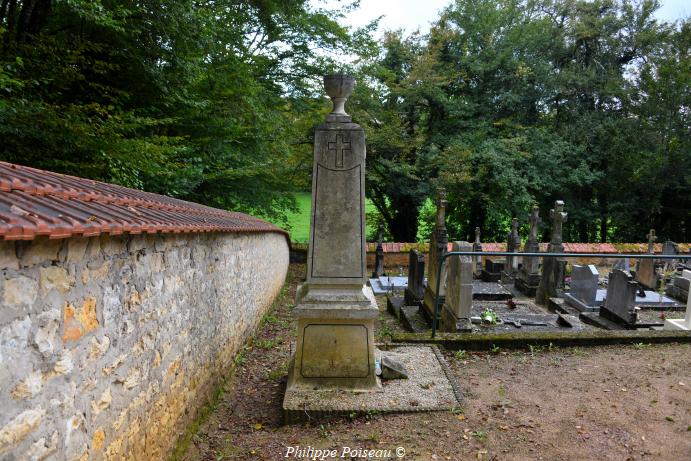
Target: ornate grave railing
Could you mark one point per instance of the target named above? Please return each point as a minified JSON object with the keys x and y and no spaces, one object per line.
{"x":435,"y":317}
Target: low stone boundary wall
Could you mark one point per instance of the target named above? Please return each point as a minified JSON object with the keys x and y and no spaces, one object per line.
{"x":109,"y":345}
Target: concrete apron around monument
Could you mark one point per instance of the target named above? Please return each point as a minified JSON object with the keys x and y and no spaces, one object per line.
{"x":335,"y":309}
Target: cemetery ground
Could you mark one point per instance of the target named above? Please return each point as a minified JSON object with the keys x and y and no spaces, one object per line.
{"x":610,"y":402}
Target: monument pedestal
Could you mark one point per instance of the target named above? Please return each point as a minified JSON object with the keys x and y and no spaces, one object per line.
{"x":450,"y":323}
{"x":527,"y":283}
{"x":335,"y":344}
{"x":428,"y":303}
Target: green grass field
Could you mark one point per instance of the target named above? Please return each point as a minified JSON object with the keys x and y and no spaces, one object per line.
{"x":300,"y":222}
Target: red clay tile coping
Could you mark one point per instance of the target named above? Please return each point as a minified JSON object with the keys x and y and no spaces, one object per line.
{"x":42,"y":203}
{"x":606,"y":248}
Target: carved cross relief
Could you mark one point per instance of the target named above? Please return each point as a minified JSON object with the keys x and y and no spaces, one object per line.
{"x":339,"y":148}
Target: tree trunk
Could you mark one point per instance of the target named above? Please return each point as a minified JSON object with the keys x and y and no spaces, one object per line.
{"x":604,"y":218}
{"x":404,"y":219}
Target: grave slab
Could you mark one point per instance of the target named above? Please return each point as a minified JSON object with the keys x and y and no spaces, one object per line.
{"x":429,"y":387}
{"x":490,"y":291}
{"x":384,"y":284}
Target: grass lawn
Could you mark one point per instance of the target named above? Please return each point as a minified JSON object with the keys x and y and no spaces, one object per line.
{"x":300,"y":222}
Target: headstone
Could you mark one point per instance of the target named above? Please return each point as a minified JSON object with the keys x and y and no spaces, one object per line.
{"x":679,"y":324}
{"x":477,"y":247}
{"x":619,"y":305}
{"x":647,"y":274}
{"x":335,"y":309}
{"x":513,"y":245}
{"x":553,"y":268}
{"x":528,"y":278}
{"x":379,"y":257}
{"x":646,"y":269}
{"x":416,"y":278}
{"x":670,"y":248}
{"x":583,"y":288}
{"x":438,"y":246}
{"x":459,"y":295}
{"x":678,"y":288}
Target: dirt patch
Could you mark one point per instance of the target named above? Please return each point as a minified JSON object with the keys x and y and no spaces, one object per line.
{"x":627,"y":402}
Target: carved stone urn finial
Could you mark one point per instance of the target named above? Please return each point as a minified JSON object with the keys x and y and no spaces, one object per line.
{"x":339,"y":87}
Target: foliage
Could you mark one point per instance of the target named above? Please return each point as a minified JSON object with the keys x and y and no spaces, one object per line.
{"x":512,"y":103}
{"x":505,"y":103}
{"x":208,"y":101}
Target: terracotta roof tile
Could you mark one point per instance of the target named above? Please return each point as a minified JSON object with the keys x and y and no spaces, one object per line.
{"x":41,"y":203}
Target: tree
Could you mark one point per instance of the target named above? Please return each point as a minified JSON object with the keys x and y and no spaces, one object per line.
{"x":189,"y":99}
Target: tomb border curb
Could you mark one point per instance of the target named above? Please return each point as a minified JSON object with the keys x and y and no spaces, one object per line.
{"x":484,"y":342}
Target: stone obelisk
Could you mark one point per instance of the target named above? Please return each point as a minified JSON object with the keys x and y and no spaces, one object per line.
{"x":335,"y":309}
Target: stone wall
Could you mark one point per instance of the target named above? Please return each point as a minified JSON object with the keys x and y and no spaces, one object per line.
{"x":109,"y":345}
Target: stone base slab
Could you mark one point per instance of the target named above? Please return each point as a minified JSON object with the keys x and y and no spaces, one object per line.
{"x":429,"y":387}
{"x":578,"y":304}
{"x":490,"y":276}
{"x":527,"y":283}
{"x":450,"y":323}
{"x":676,"y":325}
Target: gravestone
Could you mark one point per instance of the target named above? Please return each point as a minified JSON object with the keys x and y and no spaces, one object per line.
{"x":379,"y":256}
{"x":670,"y":248}
{"x":622,"y":264}
{"x":455,"y":316}
{"x":619,"y":305}
{"x":513,"y":245}
{"x":416,"y":278}
{"x":552,"y":279}
{"x":647,"y":274}
{"x":477,"y":260}
{"x":438,"y":246}
{"x":646,"y":269}
{"x":685,"y":323}
{"x":583,"y":293}
{"x":528,"y":279}
{"x":335,"y":309}
{"x":678,"y":288}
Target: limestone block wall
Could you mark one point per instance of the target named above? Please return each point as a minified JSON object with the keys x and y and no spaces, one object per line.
{"x":109,"y":345}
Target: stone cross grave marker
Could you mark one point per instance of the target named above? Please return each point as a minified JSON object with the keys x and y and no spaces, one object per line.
{"x":651,"y":241}
{"x":477,"y":247}
{"x":334,"y":308}
{"x":558,"y":219}
{"x":532,"y":263}
{"x":437,"y":248}
{"x":552,"y":268}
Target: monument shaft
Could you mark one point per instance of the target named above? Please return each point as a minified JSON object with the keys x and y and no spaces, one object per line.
{"x":335,"y":309}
